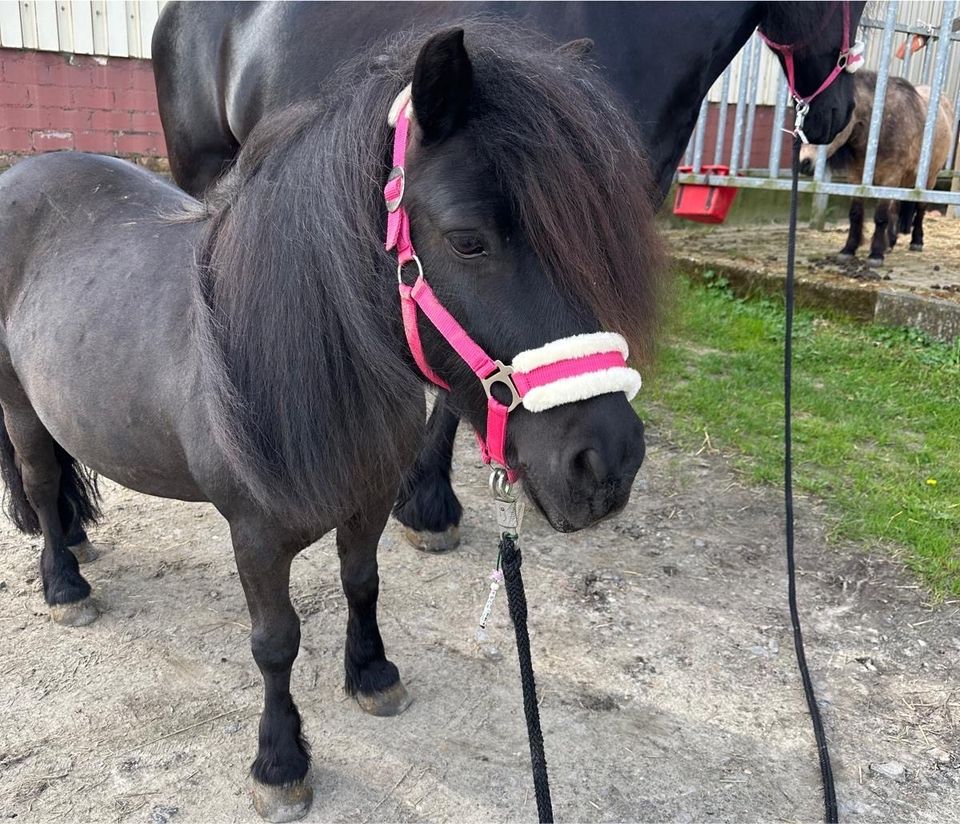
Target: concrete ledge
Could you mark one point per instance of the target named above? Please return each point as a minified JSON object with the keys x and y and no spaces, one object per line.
{"x":867,"y":302}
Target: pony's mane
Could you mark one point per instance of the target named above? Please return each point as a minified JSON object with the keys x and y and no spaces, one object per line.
{"x":298,"y":298}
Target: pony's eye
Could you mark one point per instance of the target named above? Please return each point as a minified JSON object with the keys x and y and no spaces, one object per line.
{"x":466,"y":245}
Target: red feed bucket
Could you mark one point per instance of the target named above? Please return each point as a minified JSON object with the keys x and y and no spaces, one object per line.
{"x":702,"y":203}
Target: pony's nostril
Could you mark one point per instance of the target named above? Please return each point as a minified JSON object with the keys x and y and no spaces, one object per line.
{"x":590,"y":464}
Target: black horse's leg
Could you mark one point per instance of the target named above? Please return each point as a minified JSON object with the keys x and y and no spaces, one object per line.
{"x":893,"y":219}
{"x":881,"y":219}
{"x":427,"y":505}
{"x":916,"y":239}
{"x":279,"y":790}
{"x":855,"y":235}
{"x":370,"y":677}
{"x":65,"y":590}
{"x":77,"y":541}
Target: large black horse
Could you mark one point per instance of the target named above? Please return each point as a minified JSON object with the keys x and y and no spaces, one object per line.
{"x":249,"y":351}
{"x":221,"y":68}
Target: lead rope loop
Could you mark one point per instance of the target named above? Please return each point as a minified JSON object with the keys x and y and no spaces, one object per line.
{"x":509,"y":516}
{"x":826,"y":770}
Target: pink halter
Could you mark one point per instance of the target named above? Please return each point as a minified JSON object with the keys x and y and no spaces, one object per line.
{"x":850,"y":59}
{"x":562,"y":371}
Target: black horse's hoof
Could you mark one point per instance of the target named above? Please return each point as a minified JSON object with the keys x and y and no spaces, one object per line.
{"x":84,"y":552}
{"x":391,"y":701}
{"x":845,"y":255}
{"x":433,"y":541}
{"x":286,"y":802}
{"x":916,"y":247}
{"x":76,"y":613}
{"x":875,"y":261}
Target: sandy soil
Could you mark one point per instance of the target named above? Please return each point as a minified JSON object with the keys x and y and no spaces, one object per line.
{"x":661,"y":642}
{"x":934,"y":271}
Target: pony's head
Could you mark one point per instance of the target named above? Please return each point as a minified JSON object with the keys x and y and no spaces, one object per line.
{"x":528,"y":199}
{"x":527,"y":196}
{"x":814,"y":35}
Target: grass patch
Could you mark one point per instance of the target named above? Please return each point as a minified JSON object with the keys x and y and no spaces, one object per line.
{"x":876,"y":417}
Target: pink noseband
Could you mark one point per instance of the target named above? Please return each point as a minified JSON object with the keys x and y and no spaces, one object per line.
{"x":563,"y":371}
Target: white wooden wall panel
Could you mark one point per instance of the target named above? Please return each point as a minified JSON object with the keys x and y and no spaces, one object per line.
{"x":117,"y":28}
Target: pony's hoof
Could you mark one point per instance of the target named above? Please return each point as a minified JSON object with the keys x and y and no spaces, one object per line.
{"x":76,"y":613}
{"x":391,"y":701}
{"x":84,"y":552}
{"x":433,"y":541}
{"x":875,"y":261}
{"x":845,"y":255}
{"x":916,"y":247}
{"x":286,"y":802}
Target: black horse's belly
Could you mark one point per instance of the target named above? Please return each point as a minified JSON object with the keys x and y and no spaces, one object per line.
{"x":99,"y":330}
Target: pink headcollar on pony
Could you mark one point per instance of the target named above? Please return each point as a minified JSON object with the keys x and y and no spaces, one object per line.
{"x":849,"y":60}
{"x":563,"y":371}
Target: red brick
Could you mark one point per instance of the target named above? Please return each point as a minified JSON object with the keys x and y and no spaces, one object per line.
{"x":21,"y":117}
{"x":63,"y":74}
{"x":92,"y":98}
{"x":142,"y":79}
{"x":50,"y":96}
{"x":15,"y":140}
{"x":136,"y":100}
{"x":110,"y":121}
{"x":51,"y":141}
{"x":64,"y":119}
{"x":137,"y":143}
{"x":94,"y":141}
{"x":13,"y":94}
{"x":26,"y":71}
{"x":145,"y":122}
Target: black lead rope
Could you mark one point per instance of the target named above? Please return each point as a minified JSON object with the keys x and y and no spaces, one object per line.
{"x":510,"y":562}
{"x":826,"y":770}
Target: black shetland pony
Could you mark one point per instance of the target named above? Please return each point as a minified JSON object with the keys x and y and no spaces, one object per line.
{"x":249,"y":351}
{"x":256,"y":58}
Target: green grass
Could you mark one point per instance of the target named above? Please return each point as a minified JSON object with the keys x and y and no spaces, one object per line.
{"x":876,"y":417}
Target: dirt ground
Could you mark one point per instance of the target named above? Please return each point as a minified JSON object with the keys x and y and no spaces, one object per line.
{"x":660,"y":639}
{"x":935,"y":271}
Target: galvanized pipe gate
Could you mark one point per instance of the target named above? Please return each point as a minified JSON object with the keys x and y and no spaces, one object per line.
{"x":758,"y":80}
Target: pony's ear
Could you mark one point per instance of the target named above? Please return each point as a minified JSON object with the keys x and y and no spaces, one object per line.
{"x":578,"y":48}
{"x":442,"y":79}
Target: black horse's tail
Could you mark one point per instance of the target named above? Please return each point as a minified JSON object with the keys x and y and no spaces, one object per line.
{"x":79,"y":496}
{"x":907,"y":210}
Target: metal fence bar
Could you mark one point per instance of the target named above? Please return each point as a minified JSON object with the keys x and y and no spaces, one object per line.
{"x":939,"y":75}
{"x":876,"y":118}
{"x":741,"y":113}
{"x":722,"y":125}
{"x":776,"y":136}
{"x":752,"y":96}
{"x":821,"y":199}
{"x":699,"y":136}
{"x":845,"y":189}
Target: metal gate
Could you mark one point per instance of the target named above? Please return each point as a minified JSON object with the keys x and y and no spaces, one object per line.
{"x":754,"y":77}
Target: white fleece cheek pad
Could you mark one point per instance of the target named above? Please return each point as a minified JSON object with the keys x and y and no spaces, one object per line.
{"x":577,"y":387}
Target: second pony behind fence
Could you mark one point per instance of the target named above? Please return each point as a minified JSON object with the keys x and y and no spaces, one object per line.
{"x":898,"y":155}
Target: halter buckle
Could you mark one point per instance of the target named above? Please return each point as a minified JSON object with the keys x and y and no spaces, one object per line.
{"x":502,"y":375}
{"x":393,"y":203}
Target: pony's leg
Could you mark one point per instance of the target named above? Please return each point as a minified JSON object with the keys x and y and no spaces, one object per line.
{"x":370,"y":677}
{"x":279,"y":790}
{"x":916,"y":239}
{"x":855,"y":235}
{"x":65,"y":590}
{"x":893,"y":218}
{"x":881,"y":220}
{"x":427,"y":506}
{"x":77,"y":541}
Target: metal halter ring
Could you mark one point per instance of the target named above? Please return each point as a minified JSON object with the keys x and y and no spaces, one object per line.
{"x":400,"y":266}
{"x":396,"y":173}
{"x":502,"y":375}
{"x":501,"y":487}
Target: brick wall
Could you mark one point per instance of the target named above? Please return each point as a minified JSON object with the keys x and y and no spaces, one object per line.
{"x":51,"y":100}
{"x":760,"y":147}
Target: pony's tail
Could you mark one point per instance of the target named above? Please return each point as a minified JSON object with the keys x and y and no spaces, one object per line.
{"x":905,"y":223}
{"x":79,"y":497}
